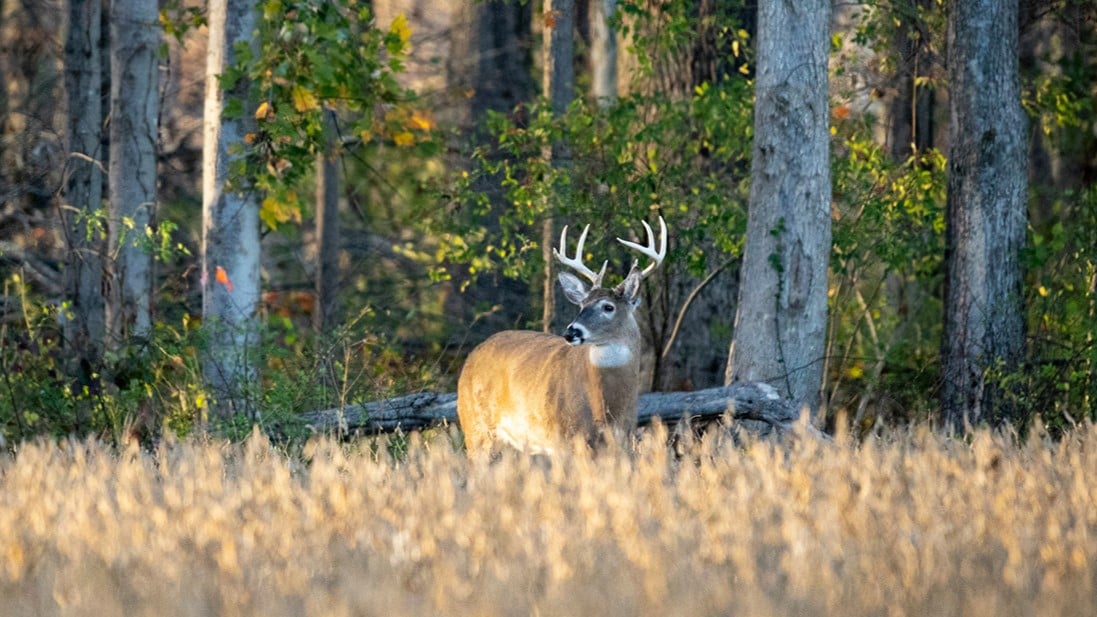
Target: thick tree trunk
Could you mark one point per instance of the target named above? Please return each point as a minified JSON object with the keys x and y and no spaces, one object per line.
{"x":559,"y":89}
{"x":780,"y":327}
{"x":84,"y":325}
{"x":230,"y":224}
{"x":134,"y":104}
{"x":986,"y":215}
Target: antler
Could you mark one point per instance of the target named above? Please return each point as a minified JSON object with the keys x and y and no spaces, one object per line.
{"x":656,"y":256}
{"x":576,"y":263}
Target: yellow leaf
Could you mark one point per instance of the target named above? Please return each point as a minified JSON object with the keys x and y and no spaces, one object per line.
{"x":303,"y":99}
{"x":420,"y":121}
{"x":366,"y":136}
{"x":280,"y":209}
{"x":403,"y":139}
{"x":400,"y":28}
{"x":265,"y":111}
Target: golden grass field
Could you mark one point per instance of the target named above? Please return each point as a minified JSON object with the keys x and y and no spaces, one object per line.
{"x":912,"y":523}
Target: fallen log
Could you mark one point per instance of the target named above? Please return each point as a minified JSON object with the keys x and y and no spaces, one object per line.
{"x":413,"y":412}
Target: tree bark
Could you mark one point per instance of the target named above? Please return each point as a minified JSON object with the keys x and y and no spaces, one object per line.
{"x":986,"y":215}
{"x":325,"y":313}
{"x":84,"y":325}
{"x":134,"y":108}
{"x":780,"y":327}
{"x":230,"y":223}
{"x":742,"y":401}
{"x":912,"y":108}
{"x":603,"y":52}
{"x":559,"y":89}
{"x":489,"y":68}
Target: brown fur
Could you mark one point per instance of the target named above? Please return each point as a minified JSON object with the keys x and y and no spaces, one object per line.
{"x":540,"y":382}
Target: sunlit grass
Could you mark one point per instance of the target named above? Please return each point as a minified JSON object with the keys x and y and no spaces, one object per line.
{"x":910,"y":524}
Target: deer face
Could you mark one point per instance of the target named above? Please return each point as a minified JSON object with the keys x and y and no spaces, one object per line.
{"x":604,"y":315}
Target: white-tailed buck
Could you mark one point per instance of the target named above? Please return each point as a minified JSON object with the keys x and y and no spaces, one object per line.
{"x":532,"y":390}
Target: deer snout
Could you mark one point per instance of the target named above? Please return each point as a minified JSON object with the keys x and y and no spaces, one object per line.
{"x":576,"y":334}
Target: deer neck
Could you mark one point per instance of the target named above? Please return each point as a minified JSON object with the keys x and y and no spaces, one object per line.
{"x":611,"y":355}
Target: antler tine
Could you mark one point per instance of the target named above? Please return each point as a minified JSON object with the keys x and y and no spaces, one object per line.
{"x":576,"y":263}
{"x":656,"y":256}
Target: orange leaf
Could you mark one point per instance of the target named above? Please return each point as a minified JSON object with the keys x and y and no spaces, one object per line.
{"x":222,"y":277}
{"x":550,"y":18}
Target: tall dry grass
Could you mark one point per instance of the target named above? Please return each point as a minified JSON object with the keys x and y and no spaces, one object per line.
{"x":911,"y":524}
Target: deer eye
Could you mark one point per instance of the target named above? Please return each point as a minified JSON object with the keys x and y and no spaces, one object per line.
{"x":608,"y":308}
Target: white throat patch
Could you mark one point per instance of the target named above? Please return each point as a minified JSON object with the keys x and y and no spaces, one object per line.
{"x":610,"y":356}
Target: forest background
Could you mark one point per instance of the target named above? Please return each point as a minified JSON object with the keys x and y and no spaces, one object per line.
{"x":428,"y":142}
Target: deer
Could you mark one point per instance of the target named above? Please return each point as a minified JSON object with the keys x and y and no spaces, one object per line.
{"x":533,"y":391}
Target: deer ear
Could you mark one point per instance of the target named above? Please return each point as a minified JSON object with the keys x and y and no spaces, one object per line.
{"x":575,"y":289}
{"x":629,"y":288}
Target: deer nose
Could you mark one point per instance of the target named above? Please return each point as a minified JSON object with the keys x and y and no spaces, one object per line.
{"x":575,"y":335}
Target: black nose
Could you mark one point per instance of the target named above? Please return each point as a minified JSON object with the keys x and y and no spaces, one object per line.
{"x":573,"y":335}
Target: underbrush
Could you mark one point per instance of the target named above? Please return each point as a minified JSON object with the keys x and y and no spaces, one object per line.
{"x":909,"y":523}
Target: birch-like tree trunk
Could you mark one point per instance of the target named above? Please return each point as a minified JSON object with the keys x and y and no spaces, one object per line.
{"x":603,"y":52}
{"x":986,"y":213}
{"x":559,"y":89}
{"x":230,"y":223}
{"x":780,"y":327}
{"x":84,"y":325}
{"x":134,"y":106}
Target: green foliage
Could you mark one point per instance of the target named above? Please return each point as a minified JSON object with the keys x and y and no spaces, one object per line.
{"x":138,"y":391}
{"x":1061,"y":293}
{"x":647,"y":155}
{"x":888,"y":250}
{"x":319,"y":60}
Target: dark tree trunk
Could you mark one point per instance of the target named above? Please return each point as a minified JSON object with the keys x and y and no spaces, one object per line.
{"x":84,"y":324}
{"x":489,"y":69}
{"x":986,"y":216}
{"x":325,"y":313}
{"x":911,"y":110}
{"x":559,"y":89}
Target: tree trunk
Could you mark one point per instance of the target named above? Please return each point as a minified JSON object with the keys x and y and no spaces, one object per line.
{"x":911,"y":110}
{"x":559,"y":89}
{"x":230,"y":223}
{"x":603,"y":52}
{"x":84,"y":325}
{"x":325,"y":313}
{"x":780,"y":327}
{"x":489,"y":68}
{"x":134,"y":107}
{"x":986,"y":215}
